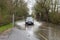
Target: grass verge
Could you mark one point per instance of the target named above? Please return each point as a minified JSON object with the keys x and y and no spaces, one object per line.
{"x":5,"y":27}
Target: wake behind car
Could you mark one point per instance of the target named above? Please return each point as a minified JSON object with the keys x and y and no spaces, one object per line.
{"x":29,"y":21}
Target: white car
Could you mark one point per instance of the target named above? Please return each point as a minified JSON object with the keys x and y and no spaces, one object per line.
{"x":29,"y":21}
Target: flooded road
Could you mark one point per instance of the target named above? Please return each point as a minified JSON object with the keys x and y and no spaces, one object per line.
{"x":22,"y":32}
{"x":39,"y":31}
{"x":48,"y":31}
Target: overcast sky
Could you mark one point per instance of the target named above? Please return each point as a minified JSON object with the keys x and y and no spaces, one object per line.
{"x":30,"y":4}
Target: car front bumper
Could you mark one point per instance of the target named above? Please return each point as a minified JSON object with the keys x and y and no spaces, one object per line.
{"x":27,"y":23}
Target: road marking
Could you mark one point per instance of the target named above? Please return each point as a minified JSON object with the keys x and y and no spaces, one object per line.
{"x":43,"y":36}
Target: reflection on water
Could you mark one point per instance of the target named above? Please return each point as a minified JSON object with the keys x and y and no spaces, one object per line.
{"x":42,"y":30}
{"x":48,"y":32}
{"x":29,"y":29}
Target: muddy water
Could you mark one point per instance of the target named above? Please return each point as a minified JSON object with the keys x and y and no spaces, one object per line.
{"x":43,"y":30}
{"x":48,"y":31}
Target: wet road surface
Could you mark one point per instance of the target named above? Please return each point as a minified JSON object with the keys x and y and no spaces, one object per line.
{"x":20,"y":32}
{"x":21,"y":35}
{"x":48,"y":31}
{"x":40,"y":31}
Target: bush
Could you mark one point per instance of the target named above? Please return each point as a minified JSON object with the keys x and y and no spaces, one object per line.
{"x":5,"y":19}
{"x":7,"y":8}
{"x":54,"y":18}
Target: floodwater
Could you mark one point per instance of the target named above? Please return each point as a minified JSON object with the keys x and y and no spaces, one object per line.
{"x":39,"y":31}
{"x":22,"y":32}
{"x":42,"y":30}
{"x":48,"y":31}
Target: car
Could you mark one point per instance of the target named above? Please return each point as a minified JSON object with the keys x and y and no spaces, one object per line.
{"x":29,"y":21}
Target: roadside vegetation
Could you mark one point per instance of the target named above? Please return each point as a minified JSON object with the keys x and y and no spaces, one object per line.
{"x":47,"y":10}
{"x":5,"y":27}
{"x":8,"y":8}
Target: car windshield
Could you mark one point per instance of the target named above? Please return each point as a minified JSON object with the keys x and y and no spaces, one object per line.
{"x":29,"y":19}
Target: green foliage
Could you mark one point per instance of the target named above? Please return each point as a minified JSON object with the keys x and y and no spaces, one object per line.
{"x":54,"y":18}
{"x":42,"y":7}
{"x":20,"y":10}
{"x":5,"y":27}
{"x":7,"y":8}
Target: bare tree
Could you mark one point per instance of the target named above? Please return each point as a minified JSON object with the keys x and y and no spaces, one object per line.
{"x":43,"y":7}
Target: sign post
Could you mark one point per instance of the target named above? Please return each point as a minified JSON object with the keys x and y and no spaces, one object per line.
{"x":13,"y":20}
